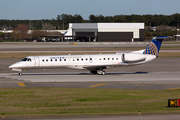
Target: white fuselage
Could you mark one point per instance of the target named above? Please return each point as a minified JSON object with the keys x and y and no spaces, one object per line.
{"x":94,"y":63}
{"x":82,"y":61}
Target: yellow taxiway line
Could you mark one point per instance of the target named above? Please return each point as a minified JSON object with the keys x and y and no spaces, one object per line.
{"x":98,"y":85}
{"x":21,"y":84}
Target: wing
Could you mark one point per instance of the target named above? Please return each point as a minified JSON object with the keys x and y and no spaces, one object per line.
{"x":101,"y":67}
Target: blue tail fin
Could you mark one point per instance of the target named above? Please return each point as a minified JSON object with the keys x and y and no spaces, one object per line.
{"x":154,"y":46}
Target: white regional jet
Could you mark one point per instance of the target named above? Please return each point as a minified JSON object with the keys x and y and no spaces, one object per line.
{"x":95,"y":63}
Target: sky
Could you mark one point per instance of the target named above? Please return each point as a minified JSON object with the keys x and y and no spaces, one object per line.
{"x":48,"y":9}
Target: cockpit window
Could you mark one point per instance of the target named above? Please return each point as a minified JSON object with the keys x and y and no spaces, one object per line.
{"x":29,"y":59}
{"x":24,"y":59}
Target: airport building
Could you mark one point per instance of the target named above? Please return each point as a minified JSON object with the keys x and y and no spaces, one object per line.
{"x":105,"y":32}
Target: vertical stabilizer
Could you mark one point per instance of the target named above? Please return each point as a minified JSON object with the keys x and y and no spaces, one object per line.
{"x":154,"y":46}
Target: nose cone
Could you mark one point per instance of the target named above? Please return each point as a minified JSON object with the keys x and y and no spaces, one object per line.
{"x":17,"y":65}
{"x":13,"y":65}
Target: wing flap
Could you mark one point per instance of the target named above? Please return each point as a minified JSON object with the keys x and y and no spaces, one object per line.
{"x":100,"y":67}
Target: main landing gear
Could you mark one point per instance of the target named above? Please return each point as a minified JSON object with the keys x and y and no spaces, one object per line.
{"x":20,"y":73}
{"x":100,"y":72}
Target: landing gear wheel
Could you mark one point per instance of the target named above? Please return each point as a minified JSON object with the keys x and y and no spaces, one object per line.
{"x":93,"y":72}
{"x":103,"y":73}
{"x":20,"y":74}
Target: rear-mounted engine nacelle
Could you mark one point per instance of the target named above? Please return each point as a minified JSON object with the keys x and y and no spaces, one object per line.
{"x":133,"y":58}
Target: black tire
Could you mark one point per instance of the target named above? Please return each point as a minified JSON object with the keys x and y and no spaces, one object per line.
{"x":93,"y":72}
{"x":103,"y":73}
{"x":20,"y":74}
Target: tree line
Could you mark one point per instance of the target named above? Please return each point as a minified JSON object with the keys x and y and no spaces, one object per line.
{"x":62,"y":21}
{"x":166,"y":25}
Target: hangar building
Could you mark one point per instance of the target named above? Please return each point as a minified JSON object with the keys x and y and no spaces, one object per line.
{"x":106,"y":32}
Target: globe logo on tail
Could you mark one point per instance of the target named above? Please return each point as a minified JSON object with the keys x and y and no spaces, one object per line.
{"x":151,"y":49}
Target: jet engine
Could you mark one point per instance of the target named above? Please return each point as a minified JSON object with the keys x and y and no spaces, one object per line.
{"x":133,"y":58}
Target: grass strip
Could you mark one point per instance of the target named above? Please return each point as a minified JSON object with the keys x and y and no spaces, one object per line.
{"x":169,"y":54}
{"x":84,"y":101}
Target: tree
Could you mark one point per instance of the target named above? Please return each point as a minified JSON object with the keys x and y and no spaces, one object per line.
{"x":15,"y":34}
{"x":64,"y":19}
{"x":36,"y":34}
{"x":23,"y":29}
{"x":47,"y":26}
{"x":77,"y":18}
{"x":1,"y":34}
{"x":93,"y":19}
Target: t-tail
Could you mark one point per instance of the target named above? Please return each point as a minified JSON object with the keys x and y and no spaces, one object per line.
{"x":154,"y":46}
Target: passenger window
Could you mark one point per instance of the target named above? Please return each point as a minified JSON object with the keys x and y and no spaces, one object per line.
{"x":90,"y":58}
{"x":108,"y":58}
{"x":73,"y":60}
{"x":86,"y":59}
{"x":99,"y":58}
{"x":55,"y":59}
{"x":59,"y":59}
{"x":81,"y":59}
{"x":43,"y":60}
{"x":77,"y":59}
{"x":116,"y":58}
{"x":112,"y":58}
{"x":64,"y":59}
{"x":104,"y":58}
{"x":46,"y":60}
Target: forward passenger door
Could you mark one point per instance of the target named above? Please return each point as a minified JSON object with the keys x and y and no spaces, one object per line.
{"x":36,"y":59}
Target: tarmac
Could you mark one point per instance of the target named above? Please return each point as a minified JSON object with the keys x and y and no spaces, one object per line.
{"x":160,"y":74}
{"x":109,"y":117}
{"x":62,"y":46}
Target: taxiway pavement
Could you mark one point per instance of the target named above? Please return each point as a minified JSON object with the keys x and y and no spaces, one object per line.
{"x":162,"y":73}
{"x":115,"y":117}
{"x":63,"y":46}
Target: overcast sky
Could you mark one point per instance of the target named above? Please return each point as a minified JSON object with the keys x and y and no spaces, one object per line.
{"x":48,"y":9}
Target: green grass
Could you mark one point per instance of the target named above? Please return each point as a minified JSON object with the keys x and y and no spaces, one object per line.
{"x":84,"y":101}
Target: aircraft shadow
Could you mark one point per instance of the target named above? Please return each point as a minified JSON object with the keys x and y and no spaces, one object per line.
{"x":78,"y":74}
